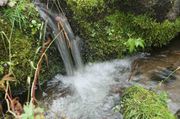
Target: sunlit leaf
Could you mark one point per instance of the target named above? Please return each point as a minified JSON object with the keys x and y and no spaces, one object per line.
{"x":139,"y":43}
{"x":132,"y":44}
{"x":32,"y":64}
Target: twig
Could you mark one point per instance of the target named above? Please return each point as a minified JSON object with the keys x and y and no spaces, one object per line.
{"x":37,"y":75}
{"x":37,"y":71}
{"x":169,"y":76}
{"x":9,"y":100}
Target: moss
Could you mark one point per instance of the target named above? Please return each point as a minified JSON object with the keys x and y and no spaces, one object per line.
{"x":155,"y":33}
{"x":85,"y":8}
{"x":145,"y":27}
{"x":102,"y":43}
{"x":106,"y":38}
{"x":55,"y":65}
{"x":141,"y":103}
{"x":106,"y":28}
{"x":22,"y":52}
{"x":23,"y":22}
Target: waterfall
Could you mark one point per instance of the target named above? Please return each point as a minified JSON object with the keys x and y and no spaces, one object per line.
{"x":65,"y":39}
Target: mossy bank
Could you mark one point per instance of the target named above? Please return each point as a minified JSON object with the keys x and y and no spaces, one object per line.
{"x":107,"y":29}
{"x":140,"y":103}
{"x":21,"y":39}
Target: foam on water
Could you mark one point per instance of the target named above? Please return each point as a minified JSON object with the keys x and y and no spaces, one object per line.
{"x":91,"y":97}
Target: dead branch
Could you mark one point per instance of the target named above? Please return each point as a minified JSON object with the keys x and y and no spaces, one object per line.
{"x":38,"y":68}
{"x":9,"y":100}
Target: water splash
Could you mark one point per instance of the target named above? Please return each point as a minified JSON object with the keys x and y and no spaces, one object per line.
{"x":90,"y":96}
{"x":92,"y":93}
{"x":87,"y":94}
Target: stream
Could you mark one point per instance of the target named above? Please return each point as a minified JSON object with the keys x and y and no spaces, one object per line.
{"x":92,"y":92}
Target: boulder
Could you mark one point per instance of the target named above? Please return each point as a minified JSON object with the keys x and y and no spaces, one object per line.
{"x":160,"y":9}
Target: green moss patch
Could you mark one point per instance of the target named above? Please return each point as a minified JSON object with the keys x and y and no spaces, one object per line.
{"x":140,"y":103}
{"x":85,"y":8}
{"x":107,"y":38}
{"x":106,"y":28}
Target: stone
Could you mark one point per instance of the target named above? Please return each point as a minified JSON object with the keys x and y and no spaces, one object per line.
{"x":159,"y":9}
{"x":3,"y":2}
{"x":175,"y":11}
{"x":178,"y":114}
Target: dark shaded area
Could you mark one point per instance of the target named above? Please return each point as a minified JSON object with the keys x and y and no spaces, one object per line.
{"x":159,"y":9}
{"x":178,"y":114}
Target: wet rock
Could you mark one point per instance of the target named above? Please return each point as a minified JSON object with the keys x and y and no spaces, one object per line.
{"x":117,"y":89}
{"x":164,"y":74}
{"x":157,"y":8}
{"x":178,"y":114}
{"x":175,"y":11}
{"x":3,"y":2}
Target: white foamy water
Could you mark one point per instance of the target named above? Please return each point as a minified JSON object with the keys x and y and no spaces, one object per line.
{"x":89,"y":93}
{"x":90,"y":96}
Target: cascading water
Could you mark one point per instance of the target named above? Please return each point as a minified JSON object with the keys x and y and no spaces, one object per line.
{"x":88,"y":92}
{"x":92,"y":93}
{"x":64,"y":37}
{"x":89,"y":88}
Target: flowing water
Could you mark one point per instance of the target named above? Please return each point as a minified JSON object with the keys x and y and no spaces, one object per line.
{"x":88,"y":94}
{"x":65,"y":39}
{"x":158,"y":66}
{"x":91,"y":92}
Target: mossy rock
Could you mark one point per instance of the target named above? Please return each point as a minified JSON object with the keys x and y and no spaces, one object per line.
{"x":140,"y":103}
{"x":105,"y":28}
{"x":106,"y":38}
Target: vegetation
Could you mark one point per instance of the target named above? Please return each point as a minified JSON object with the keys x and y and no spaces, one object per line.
{"x":109,"y":33}
{"x":21,"y":43}
{"x":32,"y":112}
{"x":23,"y":15}
{"x":18,"y":38}
{"x":140,"y":103}
{"x":107,"y":30}
{"x":20,"y":27}
{"x":85,"y":8}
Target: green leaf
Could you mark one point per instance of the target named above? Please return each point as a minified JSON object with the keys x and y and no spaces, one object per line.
{"x":139,"y":43}
{"x":132,"y":44}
